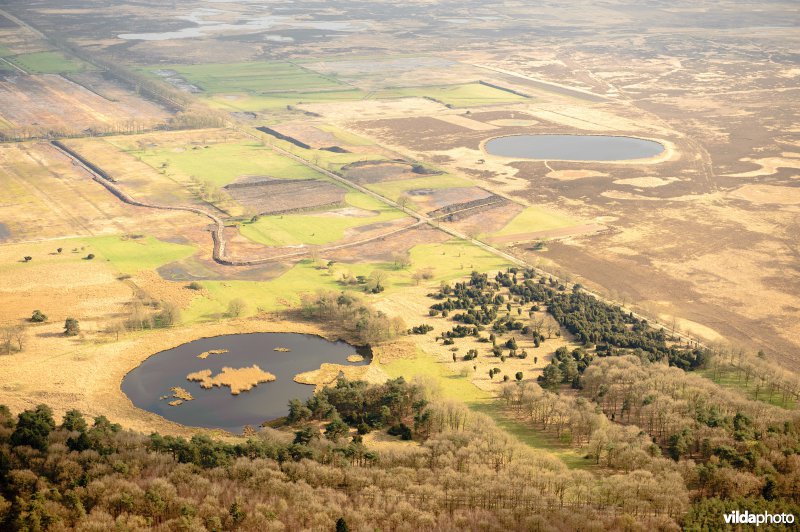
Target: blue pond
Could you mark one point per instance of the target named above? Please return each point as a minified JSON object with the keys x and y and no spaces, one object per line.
{"x":217,"y":407}
{"x":573,"y":147}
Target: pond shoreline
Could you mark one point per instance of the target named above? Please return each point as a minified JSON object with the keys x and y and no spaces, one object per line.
{"x":667,"y":153}
{"x":235,"y":333}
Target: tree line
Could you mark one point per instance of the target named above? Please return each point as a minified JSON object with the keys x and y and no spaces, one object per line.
{"x":463,"y":473}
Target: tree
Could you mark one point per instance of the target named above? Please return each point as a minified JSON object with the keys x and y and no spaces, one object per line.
{"x":236,"y":307}
{"x":305,"y":435}
{"x":116,"y":328}
{"x":38,"y":316}
{"x":90,"y":256}
{"x":341,"y":525}
{"x":34,"y":427}
{"x":71,"y":327}
{"x":552,"y":376}
{"x":518,"y":376}
{"x":375,"y":281}
{"x":403,"y":201}
{"x":7,"y":337}
{"x":237,"y":513}
{"x":298,"y":411}
{"x":74,"y":421}
{"x":336,"y":428}
{"x":59,"y":250}
{"x":401,"y":261}
{"x":170,"y":314}
{"x":569,"y":369}
{"x":27,"y":258}
{"x":20,"y":334}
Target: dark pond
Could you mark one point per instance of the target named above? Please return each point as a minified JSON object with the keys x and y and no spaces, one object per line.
{"x":217,"y":407}
{"x":573,"y":147}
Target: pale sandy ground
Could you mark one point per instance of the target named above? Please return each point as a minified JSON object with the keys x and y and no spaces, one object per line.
{"x":414,"y":302}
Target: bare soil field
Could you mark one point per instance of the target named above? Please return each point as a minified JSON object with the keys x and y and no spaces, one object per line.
{"x":275,"y":196}
{"x":45,"y":197}
{"x":51,"y":103}
{"x":377,"y":172}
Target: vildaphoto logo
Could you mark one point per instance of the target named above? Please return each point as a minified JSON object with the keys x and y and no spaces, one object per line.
{"x":746,"y":518}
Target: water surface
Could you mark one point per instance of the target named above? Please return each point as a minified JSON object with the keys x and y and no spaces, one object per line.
{"x":217,"y":407}
{"x":573,"y":147}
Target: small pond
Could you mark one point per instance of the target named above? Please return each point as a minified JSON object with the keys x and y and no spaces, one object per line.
{"x":573,"y":147}
{"x":148,"y":384}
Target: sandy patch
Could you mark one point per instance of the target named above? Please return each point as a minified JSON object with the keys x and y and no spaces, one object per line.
{"x":619,"y":195}
{"x":344,"y":111}
{"x":769,"y":166}
{"x":465,"y":122}
{"x":563,"y":232}
{"x":691,"y":327}
{"x":380,"y":441}
{"x":646,"y":182}
{"x":237,"y":379}
{"x":328,"y":373}
{"x":205,"y":354}
{"x":767,"y":194}
{"x":355,"y":358}
{"x":512,"y":122}
{"x":568,"y":175}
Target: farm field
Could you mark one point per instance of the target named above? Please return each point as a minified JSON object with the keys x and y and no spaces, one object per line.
{"x":319,"y":228}
{"x":394,"y":189}
{"x":535,"y":219}
{"x":48,"y":63}
{"x":469,"y":95}
{"x":255,"y":77}
{"x":43,"y":103}
{"x":223,"y":163}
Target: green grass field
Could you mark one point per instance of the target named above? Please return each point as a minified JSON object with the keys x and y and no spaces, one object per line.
{"x":125,"y":254}
{"x":284,"y":291}
{"x":273,"y":101}
{"x":455,"y":387}
{"x":316,"y":229}
{"x":130,"y":255}
{"x":223,"y":163}
{"x":727,"y":378}
{"x":5,"y":51}
{"x":535,"y":219}
{"x":466,"y":95}
{"x":394,"y":189}
{"x":453,"y":259}
{"x":257,"y":77}
{"x":328,"y":160}
{"x":48,"y":63}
